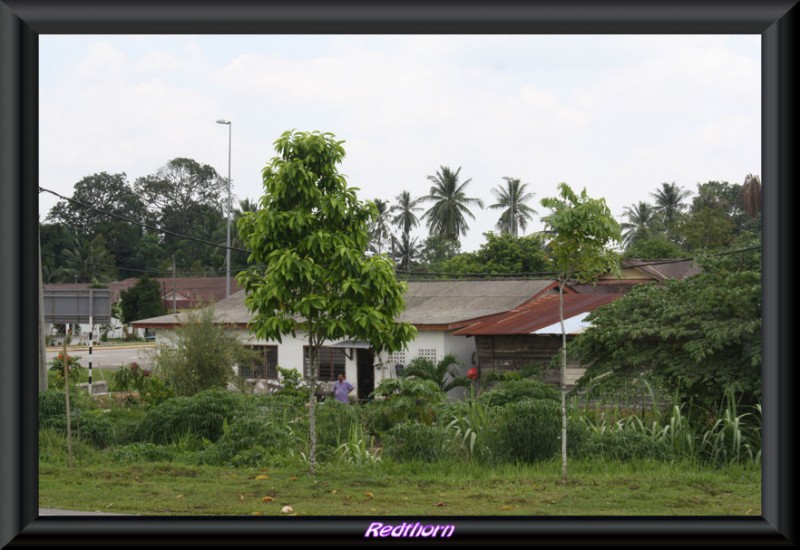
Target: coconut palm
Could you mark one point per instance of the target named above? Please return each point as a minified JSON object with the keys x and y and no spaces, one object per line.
{"x":516,"y":214}
{"x":669,"y":202}
{"x":404,"y":217}
{"x":643,"y":223}
{"x":406,"y":250}
{"x":379,"y":228}
{"x":447,"y":217}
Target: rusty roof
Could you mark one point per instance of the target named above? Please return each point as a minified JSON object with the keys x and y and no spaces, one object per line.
{"x":539,"y":312}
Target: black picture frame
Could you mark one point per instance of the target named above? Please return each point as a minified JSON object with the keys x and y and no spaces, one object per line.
{"x":22,"y":21}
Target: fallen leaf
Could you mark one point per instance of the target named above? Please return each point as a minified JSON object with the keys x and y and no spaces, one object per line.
{"x":334,"y":492}
{"x":369,"y":494}
{"x":441,"y":504}
{"x":507,"y":507}
{"x":266,"y":499}
{"x":257,"y":514}
{"x":287,"y":510}
{"x":262,"y":476}
{"x":241,"y":498}
{"x":293,"y":478}
{"x":179,"y":496}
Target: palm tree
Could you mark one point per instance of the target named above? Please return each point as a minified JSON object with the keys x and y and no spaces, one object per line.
{"x":406,"y":250}
{"x":669,"y":202}
{"x":446,"y":218}
{"x":404,"y":217}
{"x":86,"y":262}
{"x":516,"y":213}
{"x":643,"y":221}
{"x":444,"y":373}
{"x":379,"y":228}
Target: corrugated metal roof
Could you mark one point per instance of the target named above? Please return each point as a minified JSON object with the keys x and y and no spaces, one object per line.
{"x":536,"y":313}
{"x":427,"y":302}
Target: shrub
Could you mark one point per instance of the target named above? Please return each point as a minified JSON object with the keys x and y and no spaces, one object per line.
{"x":527,"y":431}
{"x":201,"y":356}
{"x":139,"y":452}
{"x":420,"y":442}
{"x":515,"y":390}
{"x":334,"y":420}
{"x":252,"y":441}
{"x":400,"y":400}
{"x":201,"y":415}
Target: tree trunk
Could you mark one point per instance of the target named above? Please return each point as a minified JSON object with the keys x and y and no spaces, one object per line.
{"x":313,"y":360}
{"x":563,"y":383}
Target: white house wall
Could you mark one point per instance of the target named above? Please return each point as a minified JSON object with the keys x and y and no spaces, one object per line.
{"x":431,"y":344}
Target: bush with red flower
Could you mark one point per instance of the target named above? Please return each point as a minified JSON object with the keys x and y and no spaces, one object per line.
{"x":73,"y":365}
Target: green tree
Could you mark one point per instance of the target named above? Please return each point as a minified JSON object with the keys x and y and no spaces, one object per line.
{"x":187,"y":198}
{"x":695,"y":337}
{"x":582,"y":228}
{"x":141,"y":301}
{"x":201,"y":356}
{"x":516,"y":214}
{"x":310,"y":272}
{"x":436,"y":249}
{"x":447,"y":217}
{"x":654,"y":249}
{"x":86,"y":262}
{"x":500,"y":254}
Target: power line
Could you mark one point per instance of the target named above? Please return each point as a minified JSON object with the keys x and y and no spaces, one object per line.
{"x":142,"y":224}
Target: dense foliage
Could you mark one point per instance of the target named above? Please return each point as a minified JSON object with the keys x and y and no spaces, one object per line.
{"x":693,"y":337}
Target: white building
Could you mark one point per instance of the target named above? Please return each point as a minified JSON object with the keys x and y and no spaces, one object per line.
{"x":436,"y":308}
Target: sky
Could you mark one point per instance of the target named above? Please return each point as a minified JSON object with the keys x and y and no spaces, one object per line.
{"x":615,"y":114}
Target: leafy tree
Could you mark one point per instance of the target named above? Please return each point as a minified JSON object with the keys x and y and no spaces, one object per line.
{"x":141,"y":301}
{"x":708,"y":228}
{"x":86,"y":262}
{"x":447,"y":217}
{"x":437,"y":248}
{"x":500,"y":254}
{"x":308,"y":241}
{"x":104,"y":191}
{"x":694,"y":337}
{"x":110,"y":193}
{"x":516,"y":214}
{"x":643,"y":223}
{"x":55,"y":238}
{"x":444,"y":374}
{"x":186,"y":197}
{"x":201,"y":356}
{"x":654,"y":249}
{"x":582,"y":229}
{"x":670,"y":203}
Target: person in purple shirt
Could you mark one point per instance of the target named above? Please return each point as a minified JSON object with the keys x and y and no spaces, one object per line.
{"x":342,"y":389}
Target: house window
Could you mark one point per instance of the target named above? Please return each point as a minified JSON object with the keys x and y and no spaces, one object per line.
{"x":331,"y":363}
{"x":264,"y":364}
{"x":429,"y":354}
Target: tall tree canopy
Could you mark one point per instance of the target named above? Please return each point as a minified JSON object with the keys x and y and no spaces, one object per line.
{"x":308,"y":268}
{"x":447,"y":217}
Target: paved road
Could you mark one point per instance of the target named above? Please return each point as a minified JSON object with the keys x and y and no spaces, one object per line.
{"x":108,"y":357}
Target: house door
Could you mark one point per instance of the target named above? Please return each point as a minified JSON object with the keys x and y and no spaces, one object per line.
{"x":366,"y":373}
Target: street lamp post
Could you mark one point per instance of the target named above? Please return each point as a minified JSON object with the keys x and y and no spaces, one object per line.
{"x":228,"y":241}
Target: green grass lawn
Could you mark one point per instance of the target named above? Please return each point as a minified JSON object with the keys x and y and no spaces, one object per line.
{"x":594,"y":489}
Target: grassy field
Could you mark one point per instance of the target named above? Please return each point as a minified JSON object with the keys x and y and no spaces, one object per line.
{"x":595,"y":489}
